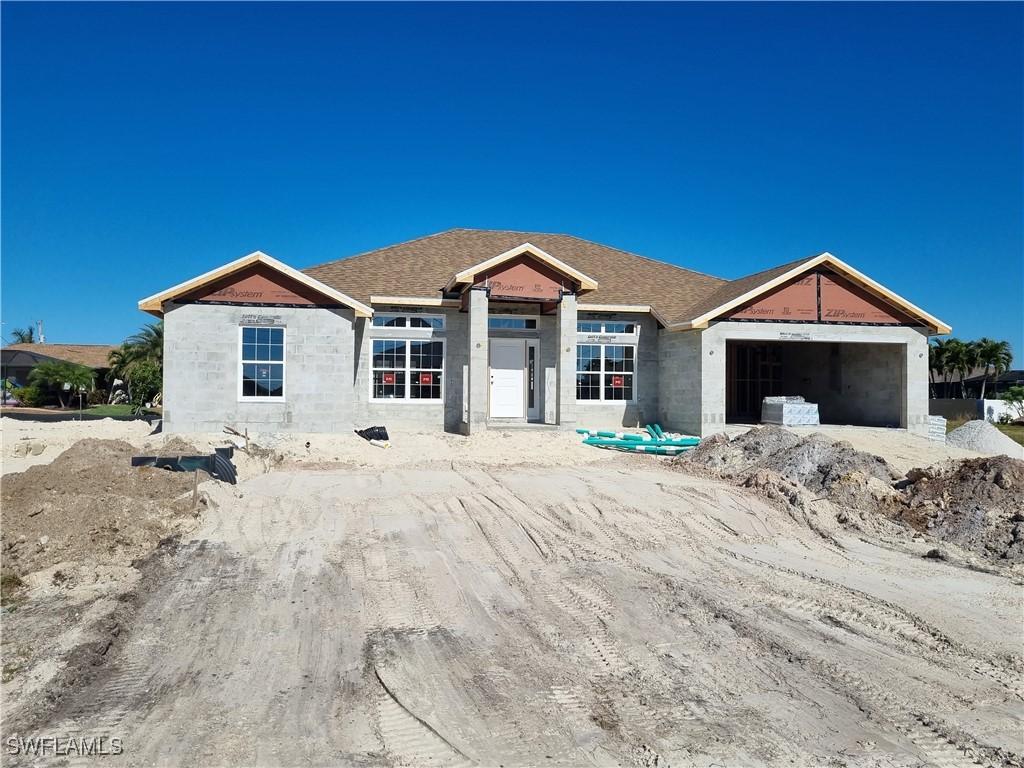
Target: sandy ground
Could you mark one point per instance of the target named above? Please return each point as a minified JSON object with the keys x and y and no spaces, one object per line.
{"x":445,"y":602}
{"x":28,"y":443}
{"x":551,"y":616}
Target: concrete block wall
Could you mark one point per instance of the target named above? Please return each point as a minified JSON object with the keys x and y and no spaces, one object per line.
{"x":851,"y":383}
{"x":679,"y":381}
{"x":202,"y":368}
{"x":609,"y":415}
{"x":439,"y":414}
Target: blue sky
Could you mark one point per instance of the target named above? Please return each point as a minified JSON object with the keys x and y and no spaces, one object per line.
{"x":144,"y":143}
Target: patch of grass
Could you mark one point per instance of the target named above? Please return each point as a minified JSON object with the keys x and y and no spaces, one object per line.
{"x":121,"y":409}
{"x":1013,"y":431}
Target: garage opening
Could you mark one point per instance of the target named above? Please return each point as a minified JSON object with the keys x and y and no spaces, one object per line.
{"x":852,"y":383}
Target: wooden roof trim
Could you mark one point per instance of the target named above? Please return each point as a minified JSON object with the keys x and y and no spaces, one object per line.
{"x":468,"y":275}
{"x":639,"y":308}
{"x":154,"y":304}
{"x":415,"y":301}
{"x":702,"y":320}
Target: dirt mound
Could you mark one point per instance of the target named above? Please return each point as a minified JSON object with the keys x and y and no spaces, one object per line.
{"x":91,"y":505}
{"x":976,"y":503}
{"x":815,"y":462}
{"x":980,"y":436}
{"x":178,"y":446}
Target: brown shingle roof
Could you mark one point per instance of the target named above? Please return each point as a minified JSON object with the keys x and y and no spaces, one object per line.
{"x":92,"y":355}
{"x":422,"y":267}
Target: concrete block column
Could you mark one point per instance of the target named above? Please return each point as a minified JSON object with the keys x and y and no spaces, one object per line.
{"x":712,"y":388}
{"x":915,"y":386}
{"x":566,"y":373}
{"x":479,"y":362}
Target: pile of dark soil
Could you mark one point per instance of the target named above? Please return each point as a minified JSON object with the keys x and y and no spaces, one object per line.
{"x":975,"y":503}
{"x":91,"y":505}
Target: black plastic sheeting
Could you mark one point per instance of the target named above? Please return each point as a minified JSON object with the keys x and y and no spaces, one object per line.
{"x":373,"y":433}
{"x":217,"y":465}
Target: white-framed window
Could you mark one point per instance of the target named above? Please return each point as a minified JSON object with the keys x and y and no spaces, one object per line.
{"x":511,"y":323}
{"x":435,"y":322}
{"x":408,"y":370}
{"x":607,"y":326}
{"x":261,"y":363}
{"x":606,"y":372}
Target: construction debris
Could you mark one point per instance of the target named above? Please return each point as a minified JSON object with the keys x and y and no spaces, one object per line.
{"x":376,"y":436}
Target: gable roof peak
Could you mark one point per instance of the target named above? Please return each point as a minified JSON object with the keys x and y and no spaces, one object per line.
{"x":468,"y":275}
{"x":154,"y":304}
{"x":743,"y":289}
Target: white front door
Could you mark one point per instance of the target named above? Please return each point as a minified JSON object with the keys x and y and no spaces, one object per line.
{"x":508,"y":378}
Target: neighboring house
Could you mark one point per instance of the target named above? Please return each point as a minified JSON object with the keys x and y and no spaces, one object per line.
{"x":18,"y":360}
{"x":993,"y":384}
{"x":468,"y":329}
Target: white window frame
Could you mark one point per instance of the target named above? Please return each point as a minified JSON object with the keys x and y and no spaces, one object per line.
{"x":407,"y":327}
{"x":283,"y":363}
{"x":408,"y":375}
{"x":602,"y":373}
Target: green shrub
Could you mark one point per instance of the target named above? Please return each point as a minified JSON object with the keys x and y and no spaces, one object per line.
{"x":1014,"y":397}
{"x":146,"y":377}
{"x":98,"y":396}
{"x":30,"y":396}
{"x":52,"y":377}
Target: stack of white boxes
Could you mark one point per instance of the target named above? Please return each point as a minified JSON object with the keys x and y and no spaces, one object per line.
{"x":789,"y":412}
{"x":937,"y":428}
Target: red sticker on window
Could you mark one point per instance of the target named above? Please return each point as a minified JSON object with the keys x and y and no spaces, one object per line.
{"x":426,"y":378}
{"x":617,"y":381}
{"x":389,"y":378}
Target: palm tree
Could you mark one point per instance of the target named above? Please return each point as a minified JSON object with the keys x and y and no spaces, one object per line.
{"x":23,"y":336}
{"x":148,"y":344}
{"x":57,"y":374}
{"x":995,"y":356}
{"x":936,"y":363}
{"x":120,"y":361}
{"x":961,"y":358}
{"x":946,"y":352}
